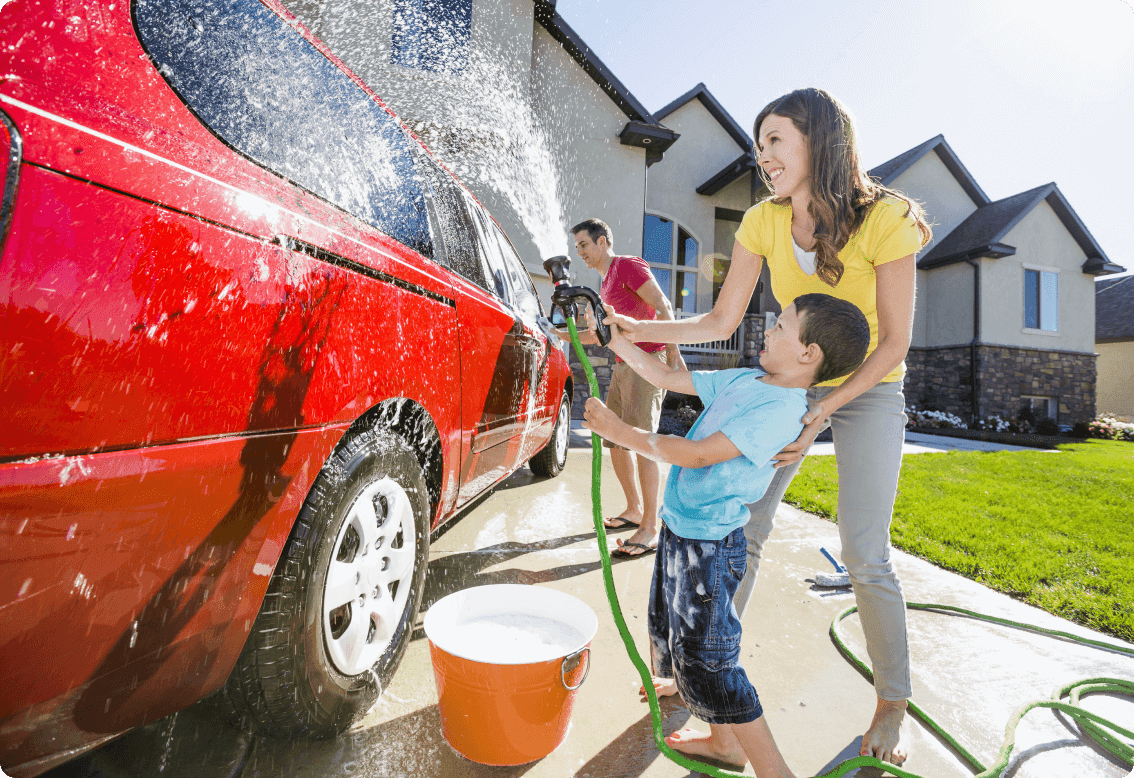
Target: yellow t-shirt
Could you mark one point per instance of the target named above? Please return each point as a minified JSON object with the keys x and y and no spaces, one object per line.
{"x":886,"y":234}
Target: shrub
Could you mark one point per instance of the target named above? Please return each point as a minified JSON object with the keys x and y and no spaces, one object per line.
{"x":1080,"y":430}
{"x":1047,"y":427}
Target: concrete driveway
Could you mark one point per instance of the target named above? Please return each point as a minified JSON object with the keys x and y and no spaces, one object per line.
{"x":971,"y":676}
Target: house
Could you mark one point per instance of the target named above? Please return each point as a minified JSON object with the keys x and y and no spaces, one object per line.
{"x":546,"y":135}
{"x":1004,"y":317}
{"x":1114,"y":342}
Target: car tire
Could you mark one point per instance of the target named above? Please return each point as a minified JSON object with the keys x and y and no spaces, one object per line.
{"x":313,"y":664}
{"x":551,"y":459}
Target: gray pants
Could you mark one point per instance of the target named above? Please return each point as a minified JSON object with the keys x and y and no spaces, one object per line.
{"x":868,"y":433}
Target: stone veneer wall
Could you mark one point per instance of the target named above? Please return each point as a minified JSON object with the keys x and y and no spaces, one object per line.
{"x":940,"y":379}
{"x":1007,"y":373}
{"x":602,"y":361}
{"x":753,"y":338}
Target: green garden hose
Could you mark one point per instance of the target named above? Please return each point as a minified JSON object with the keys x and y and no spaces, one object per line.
{"x":1104,"y":732}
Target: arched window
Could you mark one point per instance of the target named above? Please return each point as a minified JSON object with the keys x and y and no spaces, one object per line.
{"x":673,"y":256}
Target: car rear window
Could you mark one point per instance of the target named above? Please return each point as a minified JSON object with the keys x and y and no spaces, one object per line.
{"x":268,"y":93}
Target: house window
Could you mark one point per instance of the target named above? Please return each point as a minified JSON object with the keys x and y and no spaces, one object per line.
{"x":1042,"y":407}
{"x":1041,"y":300}
{"x":673,"y":255}
{"x":432,"y":35}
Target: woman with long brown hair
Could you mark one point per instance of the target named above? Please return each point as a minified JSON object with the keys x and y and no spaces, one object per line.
{"x":829,"y":228}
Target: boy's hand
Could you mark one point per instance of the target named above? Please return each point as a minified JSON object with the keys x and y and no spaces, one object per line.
{"x":598,"y":418}
{"x":617,"y":339}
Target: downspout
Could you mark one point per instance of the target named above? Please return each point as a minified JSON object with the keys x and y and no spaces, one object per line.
{"x":974,"y":371}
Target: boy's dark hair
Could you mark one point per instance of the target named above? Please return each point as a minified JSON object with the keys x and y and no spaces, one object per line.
{"x":595,"y":228}
{"x":838,"y":327}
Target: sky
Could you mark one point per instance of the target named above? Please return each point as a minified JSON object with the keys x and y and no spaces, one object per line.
{"x":1025,"y":91}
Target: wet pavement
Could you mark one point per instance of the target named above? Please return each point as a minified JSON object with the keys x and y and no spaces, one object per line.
{"x":969,"y":675}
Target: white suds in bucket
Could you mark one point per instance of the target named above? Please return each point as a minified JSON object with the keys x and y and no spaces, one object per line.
{"x":511,"y":638}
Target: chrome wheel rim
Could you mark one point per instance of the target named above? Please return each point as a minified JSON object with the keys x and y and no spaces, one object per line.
{"x":562,"y":433}
{"x":369,"y":577}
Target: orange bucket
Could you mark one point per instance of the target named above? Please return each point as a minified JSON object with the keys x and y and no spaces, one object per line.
{"x":507,"y":660}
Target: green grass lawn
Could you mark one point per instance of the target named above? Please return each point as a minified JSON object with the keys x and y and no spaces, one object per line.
{"x":1054,"y":530}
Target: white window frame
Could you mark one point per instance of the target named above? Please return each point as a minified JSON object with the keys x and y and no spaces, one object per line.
{"x":673,"y":267}
{"x":1052,"y":404}
{"x":1041,"y":269}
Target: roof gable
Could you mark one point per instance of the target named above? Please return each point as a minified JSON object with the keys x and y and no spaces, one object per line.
{"x":890,"y":170}
{"x":1114,"y":309}
{"x":713,"y":106}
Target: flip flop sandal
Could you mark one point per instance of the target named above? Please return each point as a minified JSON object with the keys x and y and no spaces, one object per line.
{"x":623,"y":523}
{"x":621,"y":552}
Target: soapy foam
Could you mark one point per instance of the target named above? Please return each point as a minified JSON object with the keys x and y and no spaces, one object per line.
{"x":510,"y":639}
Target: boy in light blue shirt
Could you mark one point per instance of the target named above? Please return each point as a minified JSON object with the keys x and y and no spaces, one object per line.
{"x":722,"y":465}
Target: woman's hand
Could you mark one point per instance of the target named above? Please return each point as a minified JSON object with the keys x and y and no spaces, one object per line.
{"x":793,"y":452}
{"x":623,"y":324}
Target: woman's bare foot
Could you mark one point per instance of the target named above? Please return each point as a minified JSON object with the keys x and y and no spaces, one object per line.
{"x":718,"y":743}
{"x":885,"y":738}
{"x":663,"y":687}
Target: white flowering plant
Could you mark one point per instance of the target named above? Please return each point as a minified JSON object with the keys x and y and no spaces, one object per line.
{"x":926,"y":419}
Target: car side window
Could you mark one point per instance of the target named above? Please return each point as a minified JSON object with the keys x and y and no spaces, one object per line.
{"x":494,"y":259}
{"x":524,"y":295}
{"x":265,"y":91}
{"x":457,"y":233}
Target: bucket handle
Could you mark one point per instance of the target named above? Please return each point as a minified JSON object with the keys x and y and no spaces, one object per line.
{"x":563,"y":667}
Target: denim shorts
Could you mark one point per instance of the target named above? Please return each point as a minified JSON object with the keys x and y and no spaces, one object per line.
{"x":694,"y":629}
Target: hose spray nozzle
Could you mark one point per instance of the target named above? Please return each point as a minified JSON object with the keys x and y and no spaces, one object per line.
{"x":564,"y":296}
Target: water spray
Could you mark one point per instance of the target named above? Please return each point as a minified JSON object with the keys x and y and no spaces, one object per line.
{"x":564,"y":296}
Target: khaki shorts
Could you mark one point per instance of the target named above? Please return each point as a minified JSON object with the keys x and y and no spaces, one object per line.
{"x":636,"y":401}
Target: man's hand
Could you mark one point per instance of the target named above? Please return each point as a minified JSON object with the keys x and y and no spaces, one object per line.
{"x":793,"y":452}
{"x":599,"y":419}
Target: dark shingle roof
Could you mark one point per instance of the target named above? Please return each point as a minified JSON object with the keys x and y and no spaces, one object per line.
{"x":984,"y":228}
{"x":1114,"y":309}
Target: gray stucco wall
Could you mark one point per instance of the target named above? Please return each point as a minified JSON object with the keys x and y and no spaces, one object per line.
{"x":703,"y":149}
{"x":946,"y":205}
{"x":1042,"y":242}
{"x":947,"y":305}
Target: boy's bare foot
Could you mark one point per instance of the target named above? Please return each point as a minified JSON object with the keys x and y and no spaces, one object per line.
{"x":884,"y":739}
{"x":663,"y":687}
{"x":719,"y":744}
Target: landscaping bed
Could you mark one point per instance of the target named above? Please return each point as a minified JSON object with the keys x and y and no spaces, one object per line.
{"x":1007,"y":438}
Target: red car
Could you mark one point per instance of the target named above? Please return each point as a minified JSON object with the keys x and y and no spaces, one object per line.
{"x":255,"y":344}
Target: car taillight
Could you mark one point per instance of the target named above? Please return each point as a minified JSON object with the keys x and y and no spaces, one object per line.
{"x":10,"y":149}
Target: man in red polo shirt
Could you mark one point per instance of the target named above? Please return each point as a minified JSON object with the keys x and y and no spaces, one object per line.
{"x":630,"y":288}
